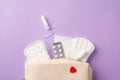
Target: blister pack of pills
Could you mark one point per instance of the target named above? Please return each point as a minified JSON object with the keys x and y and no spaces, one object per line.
{"x":58,"y":50}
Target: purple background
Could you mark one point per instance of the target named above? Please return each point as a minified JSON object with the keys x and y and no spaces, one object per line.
{"x":97,"y":20}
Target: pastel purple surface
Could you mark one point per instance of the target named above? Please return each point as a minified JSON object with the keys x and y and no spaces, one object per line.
{"x":97,"y":20}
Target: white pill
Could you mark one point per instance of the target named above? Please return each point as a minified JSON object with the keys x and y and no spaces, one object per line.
{"x":60,"y":50}
{"x":61,"y":54}
{"x":56,"y":55}
{"x":55,"y":51}
{"x":59,"y":46}
{"x":54,"y":46}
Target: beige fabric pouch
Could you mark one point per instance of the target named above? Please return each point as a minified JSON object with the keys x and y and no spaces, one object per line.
{"x":59,"y":69}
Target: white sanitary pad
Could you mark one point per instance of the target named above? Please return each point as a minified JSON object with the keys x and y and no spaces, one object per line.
{"x":35,"y":52}
{"x":76,"y":48}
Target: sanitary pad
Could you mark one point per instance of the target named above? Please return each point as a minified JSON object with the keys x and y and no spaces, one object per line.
{"x":76,"y":48}
{"x":81,"y":49}
{"x":35,"y":52}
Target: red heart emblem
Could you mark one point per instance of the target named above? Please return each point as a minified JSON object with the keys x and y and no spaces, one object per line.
{"x":73,"y":69}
